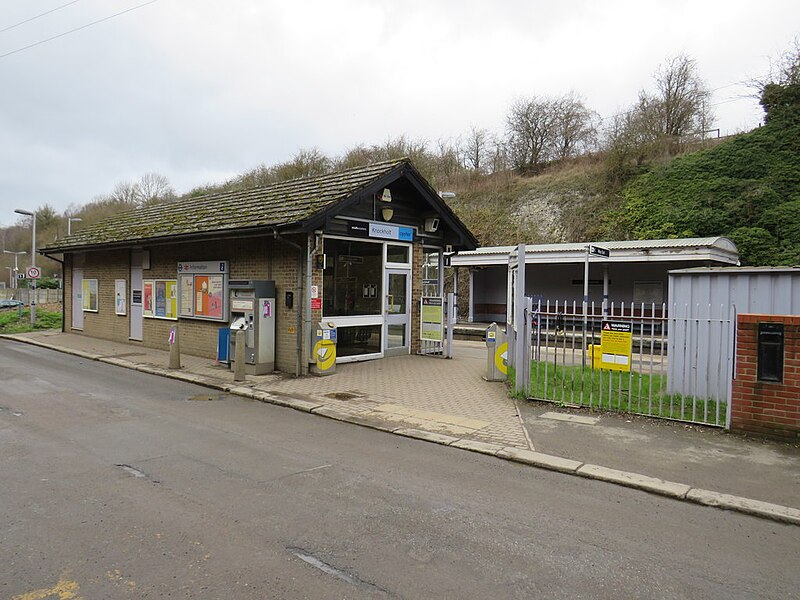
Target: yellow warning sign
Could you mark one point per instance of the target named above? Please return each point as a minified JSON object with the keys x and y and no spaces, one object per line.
{"x":501,"y":358}
{"x":616,"y":340}
{"x":325,"y":353}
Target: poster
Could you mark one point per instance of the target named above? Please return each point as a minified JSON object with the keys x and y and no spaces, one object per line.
{"x":90,"y":295}
{"x":147,"y":311}
{"x":432,"y":319}
{"x":201,"y":292}
{"x":187,"y":296}
{"x":161,"y":299}
{"x":208,"y":290}
{"x":120,"y":297}
{"x":172,"y":299}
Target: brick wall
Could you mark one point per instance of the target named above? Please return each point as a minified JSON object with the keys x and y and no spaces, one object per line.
{"x":771,"y":409}
{"x":416,"y":295}
{"x":249,"y":258}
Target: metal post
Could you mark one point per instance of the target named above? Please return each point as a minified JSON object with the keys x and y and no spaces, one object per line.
{"x":605,"y":291}
{"x":174,"y":349}
{"x":451,"y":308}
{"x":33,"y":264}
{"x":32,"y":215}
{"x":585,"y":300}
{"x":238,"y":365}
{"x":519,"y":322}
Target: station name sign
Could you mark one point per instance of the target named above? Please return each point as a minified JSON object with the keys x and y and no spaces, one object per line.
{"x":382,"y":231}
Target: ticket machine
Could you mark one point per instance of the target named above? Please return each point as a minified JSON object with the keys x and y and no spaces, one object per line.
{"x":252,"y":305}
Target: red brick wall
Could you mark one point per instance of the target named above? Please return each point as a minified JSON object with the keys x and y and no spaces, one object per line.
{"x":771,"y":409}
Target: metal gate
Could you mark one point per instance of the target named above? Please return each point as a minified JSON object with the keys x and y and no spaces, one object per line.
{"x":680,"y":366}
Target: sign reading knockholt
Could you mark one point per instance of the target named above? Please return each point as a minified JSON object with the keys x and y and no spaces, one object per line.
{"x":616,"y":340}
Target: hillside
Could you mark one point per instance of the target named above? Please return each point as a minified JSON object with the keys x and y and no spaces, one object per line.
{"x":746,"y":188}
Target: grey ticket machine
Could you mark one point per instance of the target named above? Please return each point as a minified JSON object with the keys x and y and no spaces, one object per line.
{"x":252,"y":305}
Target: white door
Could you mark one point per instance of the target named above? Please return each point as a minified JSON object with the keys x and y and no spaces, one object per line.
{"x":77,"y":298}
{"x":397,"y":312}
{"x":137,"y":318}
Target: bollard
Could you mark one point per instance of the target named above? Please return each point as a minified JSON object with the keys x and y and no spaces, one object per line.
{"x":174,"y":348}
{"x":238,"y":359}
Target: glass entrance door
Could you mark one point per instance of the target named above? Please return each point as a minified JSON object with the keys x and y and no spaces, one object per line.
{"x":397,"y":307}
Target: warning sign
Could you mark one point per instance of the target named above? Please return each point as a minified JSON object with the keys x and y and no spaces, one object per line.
{"x":616,"y":340}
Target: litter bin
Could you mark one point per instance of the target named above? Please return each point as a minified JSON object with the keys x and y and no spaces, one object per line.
{"x":323,"y":356}
{"x":496,"y":353}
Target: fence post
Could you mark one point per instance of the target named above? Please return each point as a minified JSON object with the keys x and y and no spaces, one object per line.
{"x":519,"y":323}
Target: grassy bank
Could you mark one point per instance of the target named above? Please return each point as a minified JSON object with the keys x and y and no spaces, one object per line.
{"x":11,"y":322}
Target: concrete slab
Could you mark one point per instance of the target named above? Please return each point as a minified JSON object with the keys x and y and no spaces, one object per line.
{"x":428,"y":436}
{"x":429,"y":415}
{"x":474,"y":446}
{"x":537,"y":459}
{"x":568,"y":418}
{"x":634,"y":480}
{"x":748,"y":506}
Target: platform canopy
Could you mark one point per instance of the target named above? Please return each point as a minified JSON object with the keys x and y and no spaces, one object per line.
{"x":709,"y":249}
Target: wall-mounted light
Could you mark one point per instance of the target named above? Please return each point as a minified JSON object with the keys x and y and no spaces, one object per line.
{"x":387,"y":212}
{"x":386,"y":196}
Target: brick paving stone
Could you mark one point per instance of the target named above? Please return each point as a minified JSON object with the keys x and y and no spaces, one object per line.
{"x":452,"y":387}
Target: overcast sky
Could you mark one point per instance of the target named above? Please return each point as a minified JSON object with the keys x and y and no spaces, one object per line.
{"x":200,"y":90}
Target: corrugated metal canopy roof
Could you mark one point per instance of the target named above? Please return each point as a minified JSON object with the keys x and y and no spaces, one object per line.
{"x":719,"y":249}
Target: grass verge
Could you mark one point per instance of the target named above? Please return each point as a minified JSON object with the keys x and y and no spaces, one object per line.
{"x":12,"y":322}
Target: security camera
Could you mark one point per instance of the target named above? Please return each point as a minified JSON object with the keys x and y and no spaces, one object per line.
{"x":431,"y":224}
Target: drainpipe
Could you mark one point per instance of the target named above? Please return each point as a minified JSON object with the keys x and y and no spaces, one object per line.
{"x":300,"y":305}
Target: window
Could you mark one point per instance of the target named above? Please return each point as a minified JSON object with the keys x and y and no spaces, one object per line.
{"x":351,"y":282}
{"x":397,"y":254}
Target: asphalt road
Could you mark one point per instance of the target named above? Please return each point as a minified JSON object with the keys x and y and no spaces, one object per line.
{"x":116,"y":484}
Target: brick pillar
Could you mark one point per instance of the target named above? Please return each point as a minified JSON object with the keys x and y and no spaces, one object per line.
{"x":416,"y":295}
{"x":767,"y":408}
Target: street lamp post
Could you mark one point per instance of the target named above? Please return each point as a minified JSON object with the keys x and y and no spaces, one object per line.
{"x":70,"y":221}
{"x":16,"y":264}
{"x":10,"y":277}
{"x":32,"y":215}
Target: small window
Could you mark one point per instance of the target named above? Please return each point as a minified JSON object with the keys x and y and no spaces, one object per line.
{"x":396,"y":254}
{"x":770,"y":352}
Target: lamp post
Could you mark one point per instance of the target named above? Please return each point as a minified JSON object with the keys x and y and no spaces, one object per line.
{"x":32,"y":215}
{"x":70,"y":221}
{"x":16,"y":265}
{"x":10,"y":277}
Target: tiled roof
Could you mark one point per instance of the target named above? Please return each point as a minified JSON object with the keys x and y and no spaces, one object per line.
{"x":275,"y":205}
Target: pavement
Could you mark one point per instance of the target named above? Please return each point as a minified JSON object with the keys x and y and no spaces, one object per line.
{"x":446,"y":401}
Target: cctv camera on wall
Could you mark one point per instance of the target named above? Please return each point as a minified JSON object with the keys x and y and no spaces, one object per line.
{"x":431,"y":225}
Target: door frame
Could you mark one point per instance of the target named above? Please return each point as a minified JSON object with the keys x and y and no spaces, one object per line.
{"x":390,"y":318}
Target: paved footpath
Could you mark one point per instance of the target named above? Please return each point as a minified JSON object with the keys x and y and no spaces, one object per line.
{"x":447,"y":402}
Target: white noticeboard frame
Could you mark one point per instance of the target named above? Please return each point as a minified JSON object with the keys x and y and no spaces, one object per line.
{"x":120,"y":297}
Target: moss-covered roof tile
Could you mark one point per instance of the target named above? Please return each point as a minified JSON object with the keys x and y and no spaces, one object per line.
{"x":276,"y":205}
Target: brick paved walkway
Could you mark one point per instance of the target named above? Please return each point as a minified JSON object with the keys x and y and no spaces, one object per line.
{"x":421,"y":392}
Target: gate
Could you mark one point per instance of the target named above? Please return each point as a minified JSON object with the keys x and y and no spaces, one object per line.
{"x":680,"y":365}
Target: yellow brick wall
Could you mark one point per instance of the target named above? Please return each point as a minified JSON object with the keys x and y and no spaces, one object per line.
{"x":249,"y":258}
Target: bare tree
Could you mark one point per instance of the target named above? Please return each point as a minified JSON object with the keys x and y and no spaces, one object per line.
{"x":574,"y":129}
{"x":680,"y":107}
{"x":125,"y":192}
{"x":477,"y":149}
{"x":153,"y":187}
{"x":529,"y":126}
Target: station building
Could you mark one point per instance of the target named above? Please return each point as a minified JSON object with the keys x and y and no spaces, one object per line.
{"x":357,"y":248}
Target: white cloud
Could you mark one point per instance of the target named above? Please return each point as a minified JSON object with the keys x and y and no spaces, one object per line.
{"x":199,"y":90}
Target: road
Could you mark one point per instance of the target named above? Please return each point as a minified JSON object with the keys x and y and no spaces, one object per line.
{"x":117,"y":484}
